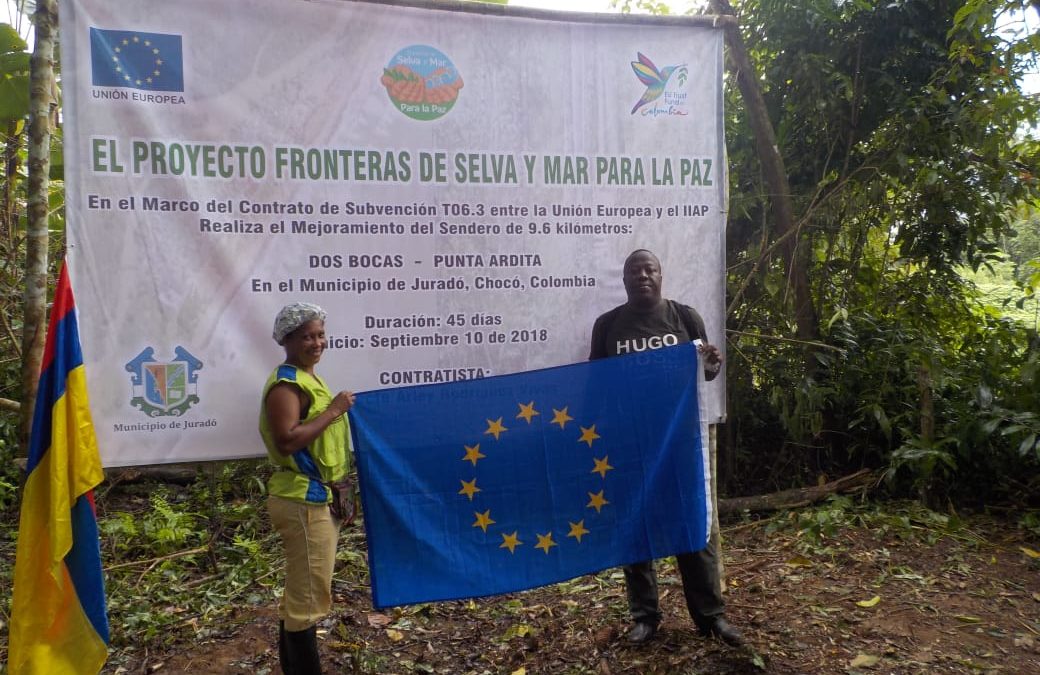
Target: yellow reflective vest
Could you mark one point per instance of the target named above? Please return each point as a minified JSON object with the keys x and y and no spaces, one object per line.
{"x":300,"y":475}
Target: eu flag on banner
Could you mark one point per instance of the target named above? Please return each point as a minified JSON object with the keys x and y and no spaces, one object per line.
{"x":506,"y":483}
{"x":123,"y":58}
{"x":58,"y":618}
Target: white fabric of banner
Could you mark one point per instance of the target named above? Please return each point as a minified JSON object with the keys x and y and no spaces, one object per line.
{"x":457,"y":190}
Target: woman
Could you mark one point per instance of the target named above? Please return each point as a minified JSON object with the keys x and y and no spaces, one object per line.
{"x":305,"y":430}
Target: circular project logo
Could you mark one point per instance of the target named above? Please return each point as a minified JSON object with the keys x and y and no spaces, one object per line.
{"x":422,"y":82}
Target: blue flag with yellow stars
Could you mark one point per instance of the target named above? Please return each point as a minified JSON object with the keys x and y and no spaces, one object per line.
{"x":506,"y":483}
{"x":124,"y":58}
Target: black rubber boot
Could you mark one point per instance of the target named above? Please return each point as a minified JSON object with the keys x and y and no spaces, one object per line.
{"x":301,"y":652}
{"x":283,"y":651}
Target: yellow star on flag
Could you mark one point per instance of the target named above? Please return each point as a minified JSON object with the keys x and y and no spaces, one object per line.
{"x":527,"y":412}
{"x":473,"y":454}
{"x":510,"y":541}
{"x":577,"y":530}
{"x":588,"y":435}
{"x":495,"y":428}
{"x":483,"y":520}
{"x":596,"y":501}
{"x":469,"y":488}
{"x":561,"y":417}
{"x":601,"y":466}
{"x":545,"y":542}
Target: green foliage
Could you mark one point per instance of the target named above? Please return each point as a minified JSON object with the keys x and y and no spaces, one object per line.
{"x":897,"y":124}
{"x":827,"y":522}
{"x":1001,"y":292}
{"x":1031,"y":523}
{"x":642,"y":6}
{"x":168,"y":528}
{"x":1023,"y":242}
{"x":164,"y":528}
{"x":14,"y":75}
{"x":820,"y":529}
{"x":14,"y":106}
{"x":942,"y":357}
{"x":175,"y":557}
{"x":10,"y":474}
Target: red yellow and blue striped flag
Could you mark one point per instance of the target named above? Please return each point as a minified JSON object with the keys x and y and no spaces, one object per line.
{"x":58,"y":619}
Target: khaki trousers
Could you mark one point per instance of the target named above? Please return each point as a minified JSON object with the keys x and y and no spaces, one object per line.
{"x":309,"y":534}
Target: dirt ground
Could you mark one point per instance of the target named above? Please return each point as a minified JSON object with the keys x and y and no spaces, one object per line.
{"x":868,"y":598}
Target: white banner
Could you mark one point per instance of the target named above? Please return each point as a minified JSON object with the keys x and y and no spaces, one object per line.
{"x":458,"y":190}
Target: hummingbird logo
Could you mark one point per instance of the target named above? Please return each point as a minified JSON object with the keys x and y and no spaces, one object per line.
{"x":654,"y":79}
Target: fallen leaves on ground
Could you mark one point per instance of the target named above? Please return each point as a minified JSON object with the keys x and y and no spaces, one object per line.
{"x":954,"y":602}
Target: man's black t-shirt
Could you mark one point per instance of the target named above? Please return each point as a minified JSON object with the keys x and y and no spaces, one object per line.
{"x":626,"y":330}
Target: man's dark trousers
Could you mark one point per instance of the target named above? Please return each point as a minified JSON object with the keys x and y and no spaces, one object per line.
{"x":700,"y":580}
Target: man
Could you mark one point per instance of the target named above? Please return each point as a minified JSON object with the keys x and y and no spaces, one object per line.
{"x":626,"y":329}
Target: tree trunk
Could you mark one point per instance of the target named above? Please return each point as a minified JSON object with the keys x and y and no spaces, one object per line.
{"x":795,"y":256}
{"x":8,"y":218}
{"x":924,"y":390}
{"x":790,"y":499}
{"x":41,"y":107}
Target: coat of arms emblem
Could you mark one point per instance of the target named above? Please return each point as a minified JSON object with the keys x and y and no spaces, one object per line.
{"x":164,"y":388}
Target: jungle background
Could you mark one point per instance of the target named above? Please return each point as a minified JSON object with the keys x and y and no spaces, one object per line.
{"x":883,"y":314}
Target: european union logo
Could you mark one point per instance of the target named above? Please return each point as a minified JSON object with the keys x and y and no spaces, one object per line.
{"x":507,"y":483}
{"x":151,"y":61}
